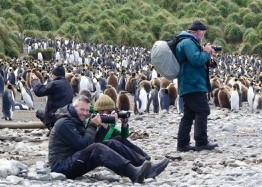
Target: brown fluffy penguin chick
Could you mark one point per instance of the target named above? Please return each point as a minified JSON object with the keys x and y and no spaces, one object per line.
{"x":147,"y":85}
{"x":215,"y":83}
{"x":128,"y":83}
{"x":244,"y":90}
{"x":39,"y":75}
{"x":260,"y":77}
{"x":112,"y":80}
{"x":244,"y":81}
{"x":164,"y":82}
{"x":215,"y":97}
{"x":172,"y":92}
{"x":75,"y":84}
{"x":28,"y":79}
{"x":155,"y":82}
{"x":69,"y":76}
{"x":142,"y":77}
{"x":123,"y":101}
{"x":111,"y":92}
{"x":224,"y":98}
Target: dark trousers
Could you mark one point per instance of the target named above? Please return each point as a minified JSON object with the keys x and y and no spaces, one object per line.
{"x":128,"y":150}
{"x":93,"y":156}
{"x":196,"y":109}
{"x":46,"y":120}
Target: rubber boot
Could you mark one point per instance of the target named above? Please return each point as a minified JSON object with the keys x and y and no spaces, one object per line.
{"x":137,"y":174}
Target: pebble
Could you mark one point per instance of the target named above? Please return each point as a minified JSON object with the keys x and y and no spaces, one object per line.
{"x":236,"y":162}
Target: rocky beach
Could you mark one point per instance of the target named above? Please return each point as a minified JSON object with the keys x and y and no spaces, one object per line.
{"x":236,"y":162}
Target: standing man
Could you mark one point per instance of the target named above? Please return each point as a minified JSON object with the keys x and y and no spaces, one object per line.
{"x":193,"y":86}
{"x":59,"y":93}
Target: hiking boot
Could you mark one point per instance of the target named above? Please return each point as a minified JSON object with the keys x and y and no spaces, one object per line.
{"x":186,"y":148}
{"x":209,"y":146}
{"x":156,"y":169}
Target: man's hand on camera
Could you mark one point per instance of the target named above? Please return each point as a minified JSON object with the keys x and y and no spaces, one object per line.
{"x":124,"y":122}
{"x":208,"y":48}
{"x":96,"y":120}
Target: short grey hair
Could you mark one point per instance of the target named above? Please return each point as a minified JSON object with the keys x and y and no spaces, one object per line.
{"x":79,"y":98}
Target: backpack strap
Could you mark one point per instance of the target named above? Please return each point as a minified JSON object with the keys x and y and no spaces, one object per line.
{"x":173,"y":43}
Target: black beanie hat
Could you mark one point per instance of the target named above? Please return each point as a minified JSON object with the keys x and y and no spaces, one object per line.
{"x":197,"y":25}
{"x":59,"y":71}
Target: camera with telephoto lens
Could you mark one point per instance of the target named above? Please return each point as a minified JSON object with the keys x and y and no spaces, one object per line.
{"x":108,"y":118}
{"x":123,"y":114}
{"x":111,"y":118}
{"x":217,"y":48}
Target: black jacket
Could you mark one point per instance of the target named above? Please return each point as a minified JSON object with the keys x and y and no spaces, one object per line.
{"x":59,"y":94}
{"x":69,"y":135}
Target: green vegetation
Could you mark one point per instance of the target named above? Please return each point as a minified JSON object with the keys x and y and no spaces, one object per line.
{"x":235,"y":24}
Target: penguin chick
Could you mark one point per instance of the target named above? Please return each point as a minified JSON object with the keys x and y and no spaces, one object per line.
{"x":172,"y":92}
{"x":123,"y":101}
{"x":111,"y":92}
{"x":224,"y":98}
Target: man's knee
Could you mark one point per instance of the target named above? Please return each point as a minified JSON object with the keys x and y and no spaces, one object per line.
{"x":113,"y":143}
{"x":96,"y":147}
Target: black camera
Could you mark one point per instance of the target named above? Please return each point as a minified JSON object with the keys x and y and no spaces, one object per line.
{"x":111,"y":118}
{"x":217,"y":47}
{"x":108,"y":119}
{"x":123,"y":114}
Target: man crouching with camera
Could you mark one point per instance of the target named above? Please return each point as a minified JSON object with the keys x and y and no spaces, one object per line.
{"x":116,"y":139}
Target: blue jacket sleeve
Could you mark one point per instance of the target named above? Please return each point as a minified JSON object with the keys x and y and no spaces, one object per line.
{"x":195,"y":56}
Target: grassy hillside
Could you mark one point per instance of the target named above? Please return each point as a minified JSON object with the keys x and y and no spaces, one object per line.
{"x":234,"y":24}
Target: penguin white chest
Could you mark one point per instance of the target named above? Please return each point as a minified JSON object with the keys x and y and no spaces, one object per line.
{"x":234,"y":101}
{"x":143,"y":98}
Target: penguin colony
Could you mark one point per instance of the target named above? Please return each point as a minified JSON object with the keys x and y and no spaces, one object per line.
{"x":124,"y":73}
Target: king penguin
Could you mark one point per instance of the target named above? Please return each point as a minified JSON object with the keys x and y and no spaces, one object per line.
{"x":140,"y":100}
{"x":121,"y":82}
{"x":250,"y":94}
{"x":153,"y":100}
{"x":234,"y":99}
{"x":164,"y":99}
{"x":2,"y":85}
{"x":26,"y":94}
{"x":8,"y":103}
{"x":257,"y":101}
{"x":20,"y":105}
{"x":180,"y":105}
